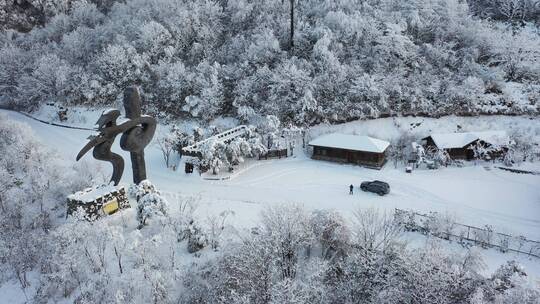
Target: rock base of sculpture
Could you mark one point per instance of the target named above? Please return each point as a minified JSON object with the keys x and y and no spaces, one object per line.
{"x":98,"y":201}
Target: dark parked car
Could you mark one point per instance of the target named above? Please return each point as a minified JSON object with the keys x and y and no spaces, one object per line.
{"x":381,"y":188}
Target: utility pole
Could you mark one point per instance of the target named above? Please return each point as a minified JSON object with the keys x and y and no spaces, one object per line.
{"x":291,"y":38}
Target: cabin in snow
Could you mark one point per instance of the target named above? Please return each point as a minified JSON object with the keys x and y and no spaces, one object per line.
{"x":470,"y":145}
{"x":355,"y":149}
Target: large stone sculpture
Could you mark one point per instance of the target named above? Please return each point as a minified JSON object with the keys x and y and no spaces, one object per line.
{"x":137,"y":132}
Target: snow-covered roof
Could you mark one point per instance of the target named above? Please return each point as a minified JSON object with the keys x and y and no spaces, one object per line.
{"x":89,"y":195}
{"x":494,"y":137}
{"x":222,"y":137}
{"x":460,"y":140}
{"x":452,"y":140}
{"x":351,"y":142}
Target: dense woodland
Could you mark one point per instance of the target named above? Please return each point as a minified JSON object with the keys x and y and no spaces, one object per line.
{"x":347,"y":60}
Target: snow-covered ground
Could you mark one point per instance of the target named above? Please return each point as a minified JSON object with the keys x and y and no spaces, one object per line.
{"x":474,"y":194}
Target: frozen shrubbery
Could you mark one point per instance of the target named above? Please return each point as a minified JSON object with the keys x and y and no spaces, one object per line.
{"x":150,"y":203}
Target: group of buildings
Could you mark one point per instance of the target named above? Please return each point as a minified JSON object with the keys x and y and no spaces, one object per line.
{"x":371,"y":152}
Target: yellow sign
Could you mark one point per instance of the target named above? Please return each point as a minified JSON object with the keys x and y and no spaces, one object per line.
{"x":111,"y":206}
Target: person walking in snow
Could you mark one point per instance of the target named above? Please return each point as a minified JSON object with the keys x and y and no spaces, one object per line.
{"x":351,"y":187}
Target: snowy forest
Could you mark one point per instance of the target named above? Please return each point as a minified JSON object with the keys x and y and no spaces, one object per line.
{"x":286,"y":72}
{"x":340,"y":60}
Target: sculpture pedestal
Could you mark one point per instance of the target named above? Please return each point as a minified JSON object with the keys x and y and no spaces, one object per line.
{"x":98,"y":201}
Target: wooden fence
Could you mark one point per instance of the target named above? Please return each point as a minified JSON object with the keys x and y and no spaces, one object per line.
{"x":443,"y":227}
{"x":274,"y":154}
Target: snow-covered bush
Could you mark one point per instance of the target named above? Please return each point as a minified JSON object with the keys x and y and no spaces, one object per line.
{"x":484,"y":236}
{"x":268,"y":128}
{"x":150,"y":202}
{"x":196,"y":238}
{"x":184,"y":217}
{"x":437,"y":157}
{"x":331,"y":231}
{"x":522,"y":150}
{"x":256,"y":146}
{"x":440,"y":224}
{"x":504,"y":277}
{"x":237,"y":150}
{"x":375,"y":230}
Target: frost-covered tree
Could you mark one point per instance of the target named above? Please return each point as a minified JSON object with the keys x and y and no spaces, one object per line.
{"x":287,"y":230}
{"x":181,"y":140}
{"x":214,"y":155}
{"x":167,"y":144}
{"x":237,"y":150}
{"x":332,"y":232}
{"x":375,"y":230}
{"x":207,"y":103}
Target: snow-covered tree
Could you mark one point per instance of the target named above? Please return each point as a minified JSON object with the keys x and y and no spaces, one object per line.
{"x":207,"y":103}
{"x":332,"y":232}
{"x":181,"y":140}
{"x":167,"y":144}
{"x":287,"y":230}
{"x":214,"y":155}
{"x":237,"y":150}
{"x":375,"y":230}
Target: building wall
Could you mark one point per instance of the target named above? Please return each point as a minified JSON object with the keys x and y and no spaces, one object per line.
{"x":460,"y":153}
{"x":368,"y":159}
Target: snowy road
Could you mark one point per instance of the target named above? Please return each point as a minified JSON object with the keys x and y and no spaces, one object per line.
{"x":509,"y":202}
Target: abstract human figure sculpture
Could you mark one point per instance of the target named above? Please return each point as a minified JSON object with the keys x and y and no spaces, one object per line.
{"x":137,"y":132}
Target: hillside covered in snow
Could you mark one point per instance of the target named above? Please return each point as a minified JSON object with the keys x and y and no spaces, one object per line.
{"x":346,"y":59}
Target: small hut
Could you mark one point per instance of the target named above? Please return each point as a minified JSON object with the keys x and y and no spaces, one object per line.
{"x":361,"y":150}
{"x":462,"y":145}
{"x":98,"y":201}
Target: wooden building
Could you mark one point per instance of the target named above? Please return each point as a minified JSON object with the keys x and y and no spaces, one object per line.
{"x":462,"y":145}
{"x":361,"y":150}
